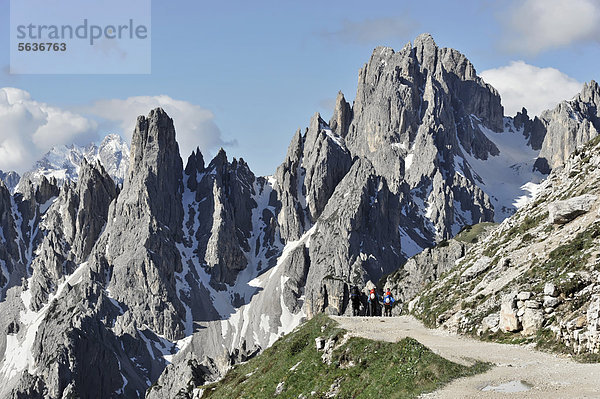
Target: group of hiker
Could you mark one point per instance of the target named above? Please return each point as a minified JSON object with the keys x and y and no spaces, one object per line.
{"x":373,"y":304}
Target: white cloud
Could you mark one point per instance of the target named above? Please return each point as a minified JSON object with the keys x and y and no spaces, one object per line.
{"x":538,"y":25}
{"x":194,"y":125}
{"x":29,"y":128}
{"x":372,"y":30}
{"x":537,"y":89}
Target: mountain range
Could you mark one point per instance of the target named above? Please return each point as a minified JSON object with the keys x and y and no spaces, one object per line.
{"x":127,"y":272}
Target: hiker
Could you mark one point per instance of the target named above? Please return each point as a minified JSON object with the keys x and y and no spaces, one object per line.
{"x":355,"y":299}
{"x":388,"y":302}
{"x":372,"y":299}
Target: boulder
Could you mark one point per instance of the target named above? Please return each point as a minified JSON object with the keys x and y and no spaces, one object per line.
{"x":533,"y":304}
{"x":551,"y":302}
{"x":532,"y":321}
{"x":550,"y":289}
{"x":490,"y":322}
{"x":480,"y":266}
{"x":561,"y":212}
{"x":320,"y":343}
{"x":593,"y":314}
{"x":523,"y":296}
{"x":508,"y":314}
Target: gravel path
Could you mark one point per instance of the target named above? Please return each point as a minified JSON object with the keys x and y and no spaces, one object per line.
{"x":517,"y":368}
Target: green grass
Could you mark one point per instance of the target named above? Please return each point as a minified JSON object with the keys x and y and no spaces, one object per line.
{"x":471,"y":234}
{"x":362,"y":368}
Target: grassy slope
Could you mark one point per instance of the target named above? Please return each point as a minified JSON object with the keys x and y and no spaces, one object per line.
{"x":472,"y":234}
{"x":361,"y":368}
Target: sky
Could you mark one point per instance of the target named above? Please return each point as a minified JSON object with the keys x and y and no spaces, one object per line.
{"x":246,"y":75}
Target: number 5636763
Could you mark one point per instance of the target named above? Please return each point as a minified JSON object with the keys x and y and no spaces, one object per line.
{"x":42,"y":46}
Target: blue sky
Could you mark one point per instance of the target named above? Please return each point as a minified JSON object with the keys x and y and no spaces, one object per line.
{"x":246,"y":75}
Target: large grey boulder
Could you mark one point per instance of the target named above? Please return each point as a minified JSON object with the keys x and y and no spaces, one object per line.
{"x":480,"y":266}
{"x":561,"y":212}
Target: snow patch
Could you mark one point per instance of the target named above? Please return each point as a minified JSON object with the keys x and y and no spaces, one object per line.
{"x":408,"y":246}
{"x":508,"y":178}
{"x":408,"y":161}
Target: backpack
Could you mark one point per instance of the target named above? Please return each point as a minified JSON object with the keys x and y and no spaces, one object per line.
{"x":387,"y":299}
{"x":372,"y":295}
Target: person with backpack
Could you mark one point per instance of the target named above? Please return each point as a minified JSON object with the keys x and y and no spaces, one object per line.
{"x":372,"y":299}
{"x":355,"y":299}
{"x":388,"y":302}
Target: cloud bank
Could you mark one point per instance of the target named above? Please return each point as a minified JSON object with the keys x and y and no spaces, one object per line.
{"x":537,"y":89}
{"x":535,"y":26}
{"x":29,"y":129}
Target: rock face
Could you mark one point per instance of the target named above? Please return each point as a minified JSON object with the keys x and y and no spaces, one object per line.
{"x":423,"y":268}
{"x":349,"y":242}
{"x":534,"y":130}
{"x":569,"y":126}
{"x":71,"y":228}
{"x":314,"y":165}
{"x":143,"y":226}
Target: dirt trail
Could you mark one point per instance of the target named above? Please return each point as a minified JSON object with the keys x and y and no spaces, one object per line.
{"x":536,"y":374}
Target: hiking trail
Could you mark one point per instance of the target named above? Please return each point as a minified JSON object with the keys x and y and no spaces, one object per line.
{"x":517,"y":372}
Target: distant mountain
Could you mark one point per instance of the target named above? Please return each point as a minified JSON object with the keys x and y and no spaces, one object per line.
{"x":10,"y":179}
{"x":63,"y":162}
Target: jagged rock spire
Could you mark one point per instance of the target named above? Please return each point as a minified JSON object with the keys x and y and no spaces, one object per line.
{"x":342,"y":116}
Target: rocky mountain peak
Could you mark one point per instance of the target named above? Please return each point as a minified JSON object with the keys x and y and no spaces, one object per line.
{"x":570,"y":125}
{"x":195,"y":162}
{"x":10,"y":179}
{"x":342,"y":116}
{"x":590,"y":93}
{"x":153,"y":144}
{"x":156,"y":168}
{"x":219,"y":161}
{"x":426,"y":51}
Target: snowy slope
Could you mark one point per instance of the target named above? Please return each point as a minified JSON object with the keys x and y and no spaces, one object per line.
{"x":508,"y":178}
